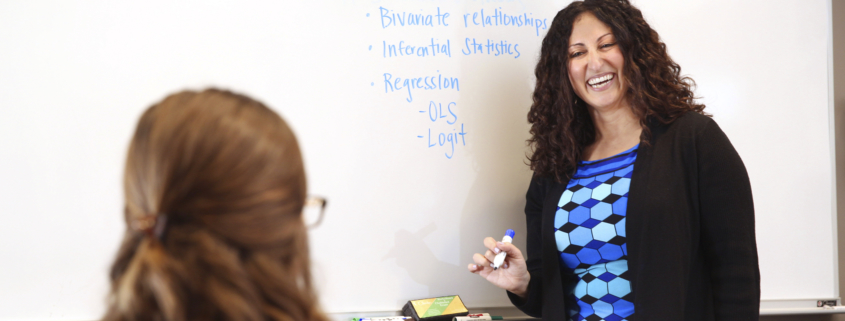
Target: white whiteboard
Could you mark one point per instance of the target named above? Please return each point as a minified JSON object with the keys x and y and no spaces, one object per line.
{"x":403,"y":218}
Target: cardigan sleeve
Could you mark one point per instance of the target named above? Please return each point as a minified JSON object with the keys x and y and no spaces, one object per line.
{"x":727,"y":227}
{"x":533,"y":302}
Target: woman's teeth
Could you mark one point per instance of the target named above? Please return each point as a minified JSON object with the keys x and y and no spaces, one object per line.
{"x":598,"y":82}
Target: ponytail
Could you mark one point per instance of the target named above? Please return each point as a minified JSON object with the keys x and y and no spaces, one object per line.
{"x":146,"y":289}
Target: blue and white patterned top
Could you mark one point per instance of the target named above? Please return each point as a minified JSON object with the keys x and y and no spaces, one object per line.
{"x":590,"y":236}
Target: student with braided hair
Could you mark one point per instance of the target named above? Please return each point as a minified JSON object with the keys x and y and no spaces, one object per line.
{"x":214,"y":190}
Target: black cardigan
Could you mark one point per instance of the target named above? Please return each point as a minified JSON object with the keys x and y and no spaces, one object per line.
{"x":692,"y":253}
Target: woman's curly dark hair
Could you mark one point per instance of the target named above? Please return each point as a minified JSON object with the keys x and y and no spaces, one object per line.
{"x":561,"y":126}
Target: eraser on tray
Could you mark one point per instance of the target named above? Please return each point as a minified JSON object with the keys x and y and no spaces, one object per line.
{"x":436,"y":309}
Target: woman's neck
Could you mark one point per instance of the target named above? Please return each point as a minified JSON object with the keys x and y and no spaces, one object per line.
{"x":617,"y":130}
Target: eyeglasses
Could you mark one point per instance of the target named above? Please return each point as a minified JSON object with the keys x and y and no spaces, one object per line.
{"x":313,"y":211}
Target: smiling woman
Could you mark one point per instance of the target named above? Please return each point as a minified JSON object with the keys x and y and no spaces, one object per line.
{"x":632,"y":185}
{"x":588,"y":41}
{"x":594,"y":63}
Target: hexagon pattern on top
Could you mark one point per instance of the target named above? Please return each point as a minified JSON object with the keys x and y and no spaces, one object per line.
{"x":591,"y":239}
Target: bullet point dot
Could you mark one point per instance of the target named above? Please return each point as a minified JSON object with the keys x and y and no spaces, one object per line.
{"x":371,"y":47}
{"x":372,"y":84}
{"x":368,"y":15}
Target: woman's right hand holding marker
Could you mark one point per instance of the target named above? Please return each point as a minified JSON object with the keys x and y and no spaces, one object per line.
{"x":512,"y":275}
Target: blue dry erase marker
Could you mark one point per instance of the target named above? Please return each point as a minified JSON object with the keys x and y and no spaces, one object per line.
{"x":500,"y":258}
